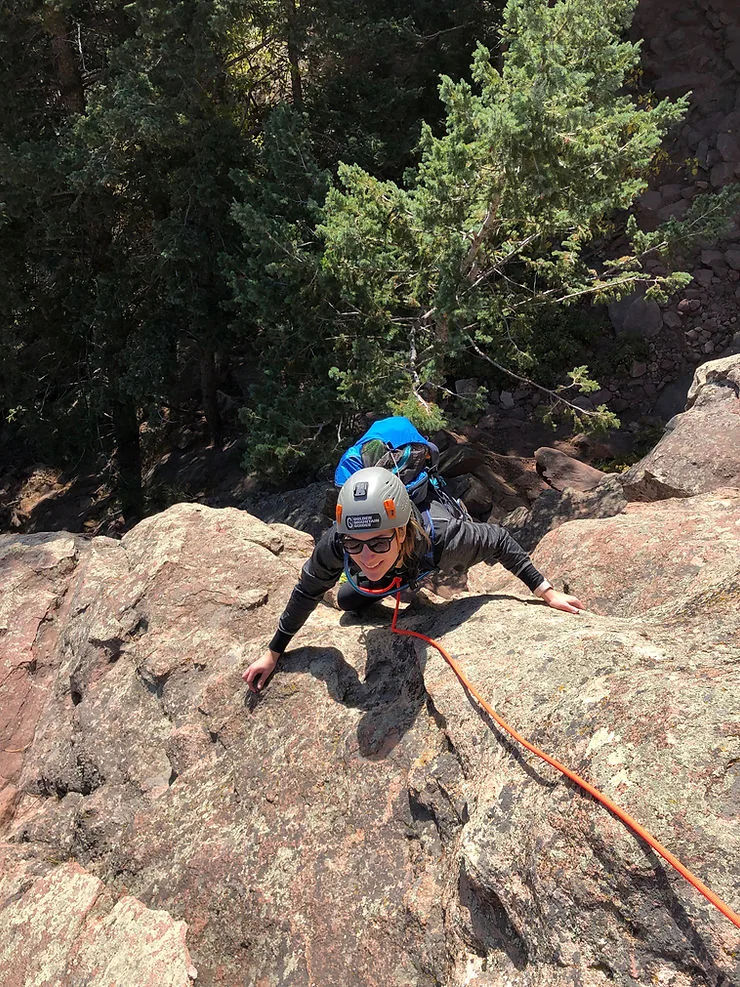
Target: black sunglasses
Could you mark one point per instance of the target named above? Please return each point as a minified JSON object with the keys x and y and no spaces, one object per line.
{"x":354,"y":546}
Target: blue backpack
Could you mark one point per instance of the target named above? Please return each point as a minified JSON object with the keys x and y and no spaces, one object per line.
{"x":398,"y":446}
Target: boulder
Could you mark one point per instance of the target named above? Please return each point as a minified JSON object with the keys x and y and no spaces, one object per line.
{"x":674,"y":210}
{"x":732,"y":54}
{"x":637,"y":315}
{"x":728,"y":145}
{"x":674,"y":553}
{"x":672,"y":319}
{"x":490,"y":484}
{"x":704,"y":277}
{"x":555,"y":507}
{"x":614,"y":696}
{"x":732,"y":256}
{"x":714,"y":381}
{"x":559,"y":470}
{"x":615,"y":443}
{"x":361,"y":822}
{"x":310,"y":509}
{"x":699,"y":450}
{"x":714,"y":259}
{"x":672,"y":398}
{"x":467,"y":387}
{"x":722,"y":173}
{"x":36,"y":570}
{"x":476,"y":495}
{"x":651,"y":200}
{"x":150,"y":763}
{"x":643,"y":317}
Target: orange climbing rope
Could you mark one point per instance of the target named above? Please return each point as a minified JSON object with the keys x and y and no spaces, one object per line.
{"x":605,"y":800}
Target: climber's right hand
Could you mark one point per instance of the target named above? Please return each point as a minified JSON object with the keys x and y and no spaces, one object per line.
{"x":259,"y":671}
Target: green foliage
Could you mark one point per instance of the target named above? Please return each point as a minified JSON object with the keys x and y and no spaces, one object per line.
{"x":495,"y":226}
{"x":708,"y":217}
{"x":628,"y":348}
{"x":580,"y":379}
{"x":171,"y":189}
{"x":280,"y":299}
{"x":561,"y":336}
{"x":116,"y":209}
{"x":427,"y":417}
{"x":372,"y":68}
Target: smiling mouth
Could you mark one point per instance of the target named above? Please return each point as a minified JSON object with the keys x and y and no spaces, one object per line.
{"x":372,"y":568}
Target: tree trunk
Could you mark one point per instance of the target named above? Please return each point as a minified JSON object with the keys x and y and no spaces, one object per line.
{"x":58,"y":28}
{"x":294,"y":53}
{"x":210,"y":399}
{"x":128,"y":458}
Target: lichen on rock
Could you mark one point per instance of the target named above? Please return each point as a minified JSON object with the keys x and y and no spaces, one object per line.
{"x":363,"y":822}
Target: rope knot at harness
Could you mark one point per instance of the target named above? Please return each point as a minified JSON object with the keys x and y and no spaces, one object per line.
{"x":581,"y":782}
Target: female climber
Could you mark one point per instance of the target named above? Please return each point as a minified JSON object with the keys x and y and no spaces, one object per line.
{"x":382,"y":541}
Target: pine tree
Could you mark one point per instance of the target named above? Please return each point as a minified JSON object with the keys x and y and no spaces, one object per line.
{"x":116,"y":210}
{"x":496,"y":228}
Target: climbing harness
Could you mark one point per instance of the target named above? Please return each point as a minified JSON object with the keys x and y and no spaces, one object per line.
{"x":599,"y":796}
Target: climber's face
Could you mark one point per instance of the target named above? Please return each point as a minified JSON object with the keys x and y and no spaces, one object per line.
{"x":375,"y":552}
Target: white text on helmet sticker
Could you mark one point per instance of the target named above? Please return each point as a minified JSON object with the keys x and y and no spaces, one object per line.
{"x":362,"y":522}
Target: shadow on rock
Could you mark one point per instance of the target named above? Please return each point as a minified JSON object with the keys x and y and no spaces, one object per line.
{"x":646,"y":884}
{"x":392,"y":691}
{"x":390,"y":695}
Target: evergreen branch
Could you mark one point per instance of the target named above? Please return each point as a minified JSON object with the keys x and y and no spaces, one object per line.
{"x":594,"y":289}
{"x":526,"y":380}
{"x":497,"y":268}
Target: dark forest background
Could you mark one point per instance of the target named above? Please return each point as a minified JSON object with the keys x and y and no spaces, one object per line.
{"x":284,"y":216}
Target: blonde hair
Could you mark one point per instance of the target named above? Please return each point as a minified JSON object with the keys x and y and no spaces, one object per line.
{"x":415,"y":542}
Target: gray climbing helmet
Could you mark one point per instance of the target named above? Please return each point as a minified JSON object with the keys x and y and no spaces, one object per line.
{"x":372,"y":499}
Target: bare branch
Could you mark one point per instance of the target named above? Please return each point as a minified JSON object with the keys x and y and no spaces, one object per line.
{"x":579,"y":294}
{"x":525,"y":380}
{"x":497,"y":268}
{"x":248,"y":54}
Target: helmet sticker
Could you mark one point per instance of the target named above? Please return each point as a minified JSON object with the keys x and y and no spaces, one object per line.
{"x":362,"y":522}
{"x":360,"y":491}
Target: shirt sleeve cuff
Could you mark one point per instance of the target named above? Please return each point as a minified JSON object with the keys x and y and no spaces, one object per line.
{"x":280,"y":641}
{"x":542,"y":588}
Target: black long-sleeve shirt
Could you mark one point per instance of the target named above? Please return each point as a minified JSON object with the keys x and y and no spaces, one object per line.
{"x":457,"y":545}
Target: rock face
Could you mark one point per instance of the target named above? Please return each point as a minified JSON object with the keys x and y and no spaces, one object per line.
{"x":64,"y":928}
{"x":281,"y":833}
{"x":699,"y":451}
{"x":309,"y":509}
{"x":555,"y":507}
{"x":361,"y":823}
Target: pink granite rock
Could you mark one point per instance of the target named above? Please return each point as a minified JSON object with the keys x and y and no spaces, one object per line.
{"x":699,"y":451}
{"x":361,"y":823}
{"x":559,"y":470}
{"x":64,"y":929}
